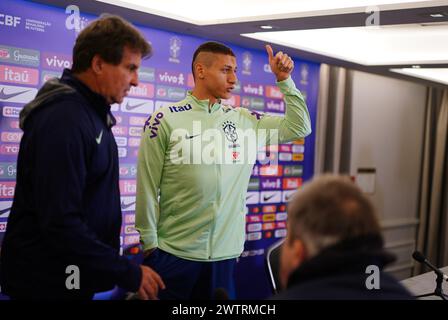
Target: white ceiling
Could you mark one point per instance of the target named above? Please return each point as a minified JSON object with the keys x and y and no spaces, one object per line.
{"x":383,"y":45}
{"x":205,"y":12}
{"x":437,"y":75}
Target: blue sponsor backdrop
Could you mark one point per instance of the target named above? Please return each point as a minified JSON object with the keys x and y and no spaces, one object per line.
{"x":35,"y":45}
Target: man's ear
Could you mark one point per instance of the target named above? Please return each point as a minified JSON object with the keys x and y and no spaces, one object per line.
{"x":97,"y":64}
{"x":299,"y":253}
{"x":199,"y":70}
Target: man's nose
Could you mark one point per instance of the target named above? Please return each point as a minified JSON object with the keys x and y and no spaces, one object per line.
{"x":134,"y":80}
{"x":232,"y":78}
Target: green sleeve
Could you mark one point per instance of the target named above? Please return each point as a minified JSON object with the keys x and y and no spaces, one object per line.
{"x":151,"y":158}
{"x":294,"y":125}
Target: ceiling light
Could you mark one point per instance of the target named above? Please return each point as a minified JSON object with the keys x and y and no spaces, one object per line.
{"x":266,"y":27}
{"x":437,"y":15}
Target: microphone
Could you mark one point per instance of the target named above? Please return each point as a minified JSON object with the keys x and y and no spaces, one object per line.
{"x":220,"y":294}
{"x":417,"y":255}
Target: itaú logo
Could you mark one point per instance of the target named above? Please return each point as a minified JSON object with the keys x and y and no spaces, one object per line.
{"x":19,"y":75}
{"x":128,"y":187}
{"x":7,"y":189}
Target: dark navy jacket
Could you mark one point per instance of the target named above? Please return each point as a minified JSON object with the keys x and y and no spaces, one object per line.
{"x":66,"y":208}
{"x":339,"y":273}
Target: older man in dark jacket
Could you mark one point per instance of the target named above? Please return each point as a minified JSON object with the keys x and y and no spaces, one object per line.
{"x":66,"y":215}
{"x":334,"y":248}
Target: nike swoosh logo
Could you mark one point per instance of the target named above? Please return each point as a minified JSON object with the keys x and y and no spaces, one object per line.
{"x":129,"y":107}
{"x":266,"y":198}
{"x":126,"y":205}
{"x":3,"y":211}
{"x":191,"y":137}
{"x":6,"y":96}
{"x":98,"y":139}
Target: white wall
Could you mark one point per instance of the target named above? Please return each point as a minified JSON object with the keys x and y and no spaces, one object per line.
{"x":387,"y":134}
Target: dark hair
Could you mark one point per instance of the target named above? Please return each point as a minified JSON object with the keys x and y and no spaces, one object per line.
{"x":213,"y":47}
{"x":107,"y":36}
{"x":330,"y":209}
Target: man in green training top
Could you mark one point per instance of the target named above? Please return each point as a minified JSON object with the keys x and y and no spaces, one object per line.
{"x":194,"y":166}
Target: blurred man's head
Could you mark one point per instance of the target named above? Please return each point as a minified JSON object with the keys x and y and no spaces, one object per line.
{"x":110,"y":49}
{"x":327,"y":210}
{"x":214,"y":70}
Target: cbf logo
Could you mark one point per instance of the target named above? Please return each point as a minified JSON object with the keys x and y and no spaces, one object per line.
{"x":230,"y":131}
{"x":304,"y":74}
{"x":74,"y":20}
{"x":175,"y":45}
{"x":247,"y":63}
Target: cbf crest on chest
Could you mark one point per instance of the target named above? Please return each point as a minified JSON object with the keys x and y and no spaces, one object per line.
{"x":229,"y":128}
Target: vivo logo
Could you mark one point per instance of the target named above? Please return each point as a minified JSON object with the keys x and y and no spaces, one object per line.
{"x":171,"y":78}
{"x":253,"y":89}
{"x":57,"y":62}
{"x":275,"y":106}
{"x":271,"y":183}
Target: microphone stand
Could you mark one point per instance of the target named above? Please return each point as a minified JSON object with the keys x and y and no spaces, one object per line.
{"x":438,"y":291}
